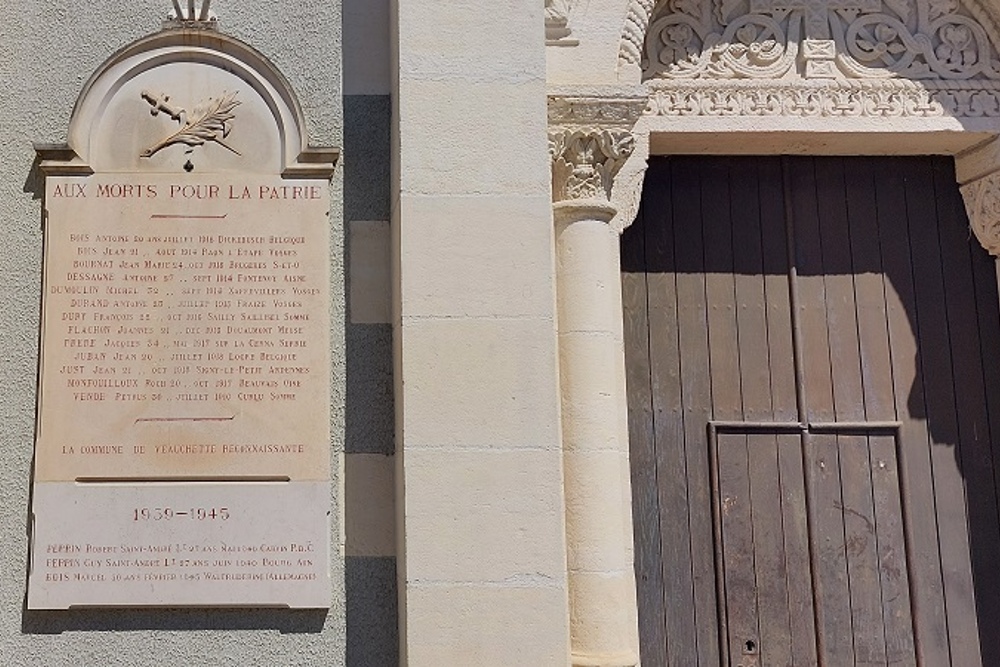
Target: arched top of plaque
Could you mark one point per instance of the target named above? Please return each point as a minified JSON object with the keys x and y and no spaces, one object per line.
{"x":188,"y":99}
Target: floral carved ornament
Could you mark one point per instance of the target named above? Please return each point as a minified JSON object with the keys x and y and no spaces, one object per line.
{"x":822,"y":58}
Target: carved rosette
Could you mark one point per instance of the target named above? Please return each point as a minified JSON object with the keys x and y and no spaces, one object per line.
{"x":590,"y":141}
{"x":982,"y":203}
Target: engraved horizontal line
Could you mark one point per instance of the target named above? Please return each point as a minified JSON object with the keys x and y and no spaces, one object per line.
{"x":284,"y":479}
{"x":185,"y":419}
{"x":167,"y":216}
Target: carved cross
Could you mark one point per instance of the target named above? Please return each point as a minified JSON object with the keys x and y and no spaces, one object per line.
{"x":816,"y":12}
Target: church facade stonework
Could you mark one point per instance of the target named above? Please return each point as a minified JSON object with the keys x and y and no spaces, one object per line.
{"x":471,"y":169}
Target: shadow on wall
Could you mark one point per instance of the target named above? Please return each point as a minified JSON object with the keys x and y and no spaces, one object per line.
{"x":130,"y":620}
{"x":945,"y":365}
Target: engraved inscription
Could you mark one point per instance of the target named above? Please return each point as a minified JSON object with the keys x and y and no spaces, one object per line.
{"x":188,"y":317}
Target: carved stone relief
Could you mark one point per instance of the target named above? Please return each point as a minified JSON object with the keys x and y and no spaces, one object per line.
{"x":585,"y":161}
{"x":840,"y":39}
{"x":889,"y":58}
{"x":186,"y":15}
{"x":982,"y":203}
{"x":209,"y":121}
{"x":556,"y":19}
{"x":590,"y":139}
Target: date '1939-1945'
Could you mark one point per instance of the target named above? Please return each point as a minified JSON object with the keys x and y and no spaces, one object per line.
{"x":169,"y":513}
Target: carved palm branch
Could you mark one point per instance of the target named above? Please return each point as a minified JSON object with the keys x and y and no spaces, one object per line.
{"x":208,"y":121}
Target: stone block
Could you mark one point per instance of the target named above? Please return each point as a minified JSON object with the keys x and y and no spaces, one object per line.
{"x":486,"y":626}
{"x":484,"y":516}
{"x":477,"y":256}
{"x":479,"y":383}
{"x":444,"y":151}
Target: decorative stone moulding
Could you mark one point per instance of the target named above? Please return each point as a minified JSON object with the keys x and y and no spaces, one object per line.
{"x":890,"y":98}
{"x":590,"y":141}
{"x":634,"y":32}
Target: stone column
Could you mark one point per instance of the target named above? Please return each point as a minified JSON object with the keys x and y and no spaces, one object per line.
{"x":586,"y":158}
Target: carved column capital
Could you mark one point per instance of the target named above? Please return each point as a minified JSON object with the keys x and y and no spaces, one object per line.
{"x":978,"y":174}
{"x":591,"y":139}
{"x":585,"y":162}
{"x":982,"y":203}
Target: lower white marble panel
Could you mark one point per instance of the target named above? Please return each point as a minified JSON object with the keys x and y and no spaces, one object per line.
{"x":167,"y":544}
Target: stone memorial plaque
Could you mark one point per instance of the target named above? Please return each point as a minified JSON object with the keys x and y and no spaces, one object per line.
{"x":183,"y":444}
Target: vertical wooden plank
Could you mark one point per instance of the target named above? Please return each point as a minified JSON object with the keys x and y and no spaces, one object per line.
{"x":738,"y":547}
{"x":858,"y":513}
{"x":785,"y":408}
{"x":692,"y":319}
{"x":879,"y":405}
{"x":770,"y":572}
{"x":934,"y":351}
{"x":972,"y":450}
{"x":642,"y":444}
{"x":822,"y":455}
{"x":927,"y":583}
{"x":675,"y":545}
{"x":723,"y":343}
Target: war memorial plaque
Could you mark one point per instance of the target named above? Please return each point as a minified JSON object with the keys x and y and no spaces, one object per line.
{"x":182,"y":454}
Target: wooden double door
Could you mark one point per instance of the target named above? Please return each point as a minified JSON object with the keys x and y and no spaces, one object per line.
{"x":814,"y":391}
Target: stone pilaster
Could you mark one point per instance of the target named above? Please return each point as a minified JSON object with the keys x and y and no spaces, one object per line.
{"x":590,"y":139}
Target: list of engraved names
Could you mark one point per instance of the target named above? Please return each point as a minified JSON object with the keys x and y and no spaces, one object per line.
{"x":186,"y":302}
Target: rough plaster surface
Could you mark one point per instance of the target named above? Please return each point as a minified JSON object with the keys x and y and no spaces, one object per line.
{"x":366,"y":158}
{"x":370,"y":412}
{"x":372,"y":632}
{"x":50,"y":49}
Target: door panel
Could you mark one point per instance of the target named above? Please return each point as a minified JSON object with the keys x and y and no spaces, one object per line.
{"x":811,"y":414}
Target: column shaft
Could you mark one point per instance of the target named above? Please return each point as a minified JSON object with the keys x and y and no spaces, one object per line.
{"x":603,"y":620}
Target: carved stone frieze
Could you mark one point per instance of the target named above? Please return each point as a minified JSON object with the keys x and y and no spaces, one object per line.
{"x":982,"y":203}
{"x":827,"y":39}
{"x":586,"y":110}
{"x":890,"y":98}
